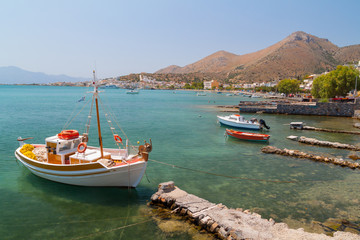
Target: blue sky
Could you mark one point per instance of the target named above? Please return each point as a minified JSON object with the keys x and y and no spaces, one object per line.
{"x":122,"y":37}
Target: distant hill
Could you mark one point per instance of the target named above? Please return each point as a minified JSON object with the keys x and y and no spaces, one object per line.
{"x":297,"y":55}
{"x":15,"y":75}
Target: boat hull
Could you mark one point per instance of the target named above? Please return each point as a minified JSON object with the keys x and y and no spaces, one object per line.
{"x":243,"y":125}
{"x":92,"y":174}
{"x":248,"y":136}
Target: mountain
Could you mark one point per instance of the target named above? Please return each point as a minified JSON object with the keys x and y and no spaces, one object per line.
{"x":297,"y":55}
{"x":15,"y":75}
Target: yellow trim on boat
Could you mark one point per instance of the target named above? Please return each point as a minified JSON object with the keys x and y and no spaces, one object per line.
{"x":49,"y":166}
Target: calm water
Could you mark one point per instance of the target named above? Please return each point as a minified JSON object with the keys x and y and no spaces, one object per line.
{"x":184,"y":132}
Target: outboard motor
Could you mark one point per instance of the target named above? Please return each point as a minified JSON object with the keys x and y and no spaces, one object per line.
{"x":263,"y":124}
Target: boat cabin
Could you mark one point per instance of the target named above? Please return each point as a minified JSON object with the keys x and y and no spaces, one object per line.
{"x":296,"y":125}
{"x":59,"y":150}
{"x":64,"y":148}
{"x":237,"y":117}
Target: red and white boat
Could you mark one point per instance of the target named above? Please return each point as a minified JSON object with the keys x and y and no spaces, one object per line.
{"x":248,"y":135}
{"x":66,"y":158}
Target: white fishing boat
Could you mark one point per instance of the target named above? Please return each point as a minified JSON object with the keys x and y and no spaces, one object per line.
{"x":201,"y":94}
{"x":66,"y":158}
{"x":238,"y":121}
{"x":132,"y":91}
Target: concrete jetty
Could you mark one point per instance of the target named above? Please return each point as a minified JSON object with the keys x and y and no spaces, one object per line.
{"x":231,"y":224}
{"x":316,"y":158}
{"x":314,"y":141}
{"x":330,"y":130}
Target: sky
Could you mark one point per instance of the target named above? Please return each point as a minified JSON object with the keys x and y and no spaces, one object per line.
{"x":118,"y":37}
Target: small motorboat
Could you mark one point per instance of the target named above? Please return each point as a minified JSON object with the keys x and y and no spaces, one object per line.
{"x":238,"y":121}
{"x":296,"y":125}
{"x":132,"y":91}
{"x":248,"y":135}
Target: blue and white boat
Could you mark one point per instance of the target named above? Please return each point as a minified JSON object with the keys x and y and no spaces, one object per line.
{"x":238,"y":121}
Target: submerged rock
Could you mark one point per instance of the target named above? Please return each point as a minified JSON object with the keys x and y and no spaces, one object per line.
{"x":354,"y":156}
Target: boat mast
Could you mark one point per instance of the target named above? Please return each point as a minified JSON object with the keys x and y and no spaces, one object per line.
{"x":96,"y":92}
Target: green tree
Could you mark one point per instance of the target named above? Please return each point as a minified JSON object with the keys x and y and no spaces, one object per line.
{"x":187,"y":86}
{"x":288,"y":86}
{"x":317,"y":86}
{"x":336,"y":83}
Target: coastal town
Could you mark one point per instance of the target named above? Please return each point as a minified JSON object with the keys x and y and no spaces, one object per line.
{"x":147,"y":81}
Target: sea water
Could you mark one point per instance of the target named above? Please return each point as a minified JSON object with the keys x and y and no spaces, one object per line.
{"x":185,"y":133}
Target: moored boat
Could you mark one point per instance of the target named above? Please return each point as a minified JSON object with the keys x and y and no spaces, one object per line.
{"x":238,"y":121}
{"x":132,"y":91}
{"x":248,"y":135}
{"x":109,"y":86}
{"x":66,"y":157}
{"x":296,"y":125}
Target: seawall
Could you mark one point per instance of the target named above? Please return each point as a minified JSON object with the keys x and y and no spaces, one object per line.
{"x":300,"y":108}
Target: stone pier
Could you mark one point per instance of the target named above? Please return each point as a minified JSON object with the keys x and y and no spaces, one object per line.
{"x":231,"y":224}
{"x":330,"y":130}
{"x":314,"y":141}
{"x":316,"y":158}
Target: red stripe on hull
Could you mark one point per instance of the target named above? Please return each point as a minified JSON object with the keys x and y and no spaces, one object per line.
{"x":247,"y":135}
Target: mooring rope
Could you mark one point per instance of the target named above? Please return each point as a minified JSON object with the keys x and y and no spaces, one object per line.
{"x":30,"y":221}
{"x":112,"y":230}
{"x":233,"y":177}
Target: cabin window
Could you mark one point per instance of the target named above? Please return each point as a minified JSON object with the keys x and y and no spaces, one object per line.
{"x":65,"y":146}
{"x":76,"y":143}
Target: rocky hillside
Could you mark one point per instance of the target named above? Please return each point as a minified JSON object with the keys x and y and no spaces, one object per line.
{"x":297,"y":55}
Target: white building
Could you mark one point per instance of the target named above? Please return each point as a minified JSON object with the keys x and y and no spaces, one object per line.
{"x":211,"y":84}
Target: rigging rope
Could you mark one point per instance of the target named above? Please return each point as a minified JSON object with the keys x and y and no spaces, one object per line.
{"x":108,"y":120}
{"x":68,"y":123}
{"x":89,"y":116}
{"x":233,"y":177}
{"x":110,"y":113}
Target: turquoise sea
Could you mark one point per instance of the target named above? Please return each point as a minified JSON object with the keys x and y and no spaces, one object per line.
{"x":184,"y":132}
